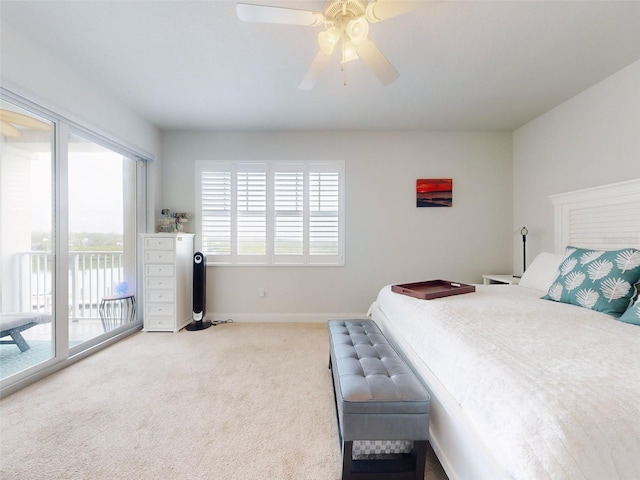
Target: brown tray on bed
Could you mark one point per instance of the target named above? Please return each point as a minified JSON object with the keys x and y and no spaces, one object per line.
{"x":433,"y":289}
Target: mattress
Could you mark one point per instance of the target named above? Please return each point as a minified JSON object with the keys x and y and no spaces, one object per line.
{"x":551,"y":389}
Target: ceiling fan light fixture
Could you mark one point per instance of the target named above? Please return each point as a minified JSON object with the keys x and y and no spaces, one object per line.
{"x":346,"y":23}
{"x":358,"y":30}
{"x":370,"y":12}
{"x":328,"y":40}
{"x":349,"y":52}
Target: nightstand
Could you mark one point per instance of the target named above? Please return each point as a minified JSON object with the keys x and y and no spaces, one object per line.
{"x":500,"y":279}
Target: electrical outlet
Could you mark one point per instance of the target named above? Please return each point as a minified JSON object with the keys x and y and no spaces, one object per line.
{"x":261,"y":292}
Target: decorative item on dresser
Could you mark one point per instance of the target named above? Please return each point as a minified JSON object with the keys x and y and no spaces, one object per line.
{"x":168,"y":275}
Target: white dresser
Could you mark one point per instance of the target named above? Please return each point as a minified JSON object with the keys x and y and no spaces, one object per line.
{"x":168,"y":280}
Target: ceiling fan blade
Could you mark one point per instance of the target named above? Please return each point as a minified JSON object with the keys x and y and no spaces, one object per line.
{"x":267,"y":14}
{"x":317,"y":66}
{"x":378,"y":10}
{"x":377,"y":62}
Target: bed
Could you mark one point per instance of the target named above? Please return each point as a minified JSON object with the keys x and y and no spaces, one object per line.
{"x":13,"y":324}
{"x":526,"y":387}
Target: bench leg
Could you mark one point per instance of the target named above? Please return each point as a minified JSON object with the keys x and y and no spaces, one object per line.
{"x":420,"y":453}
{"x":347,"y":454}
{"x":412,"y":467}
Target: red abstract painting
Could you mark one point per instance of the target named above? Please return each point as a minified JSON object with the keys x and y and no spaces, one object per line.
{"x":434,"y":192}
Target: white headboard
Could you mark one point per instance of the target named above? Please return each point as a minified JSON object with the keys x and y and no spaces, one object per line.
{"x":604,"y":218}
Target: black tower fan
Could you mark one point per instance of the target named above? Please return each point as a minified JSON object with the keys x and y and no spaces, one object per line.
{"x":199,"y":293}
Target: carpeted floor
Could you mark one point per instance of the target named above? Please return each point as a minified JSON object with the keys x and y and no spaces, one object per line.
{"x":236,"y":401}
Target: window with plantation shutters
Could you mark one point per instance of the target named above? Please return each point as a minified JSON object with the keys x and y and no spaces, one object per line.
{"x":271,"y":213}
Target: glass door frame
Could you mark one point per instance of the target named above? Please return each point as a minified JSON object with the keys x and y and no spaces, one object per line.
{"x":62,"y":354}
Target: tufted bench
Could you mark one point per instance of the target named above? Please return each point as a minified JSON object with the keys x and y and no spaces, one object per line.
{"x":378,"y":400}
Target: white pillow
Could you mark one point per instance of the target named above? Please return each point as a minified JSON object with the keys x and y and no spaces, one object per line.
{"x":542,"y":271}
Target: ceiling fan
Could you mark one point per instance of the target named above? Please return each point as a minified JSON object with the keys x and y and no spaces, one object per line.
{"x":346,"y":25}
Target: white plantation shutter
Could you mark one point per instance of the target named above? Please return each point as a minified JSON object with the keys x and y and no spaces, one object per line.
{"x":271,"y":213}
{"x":288,"y":197}
{"x":215,"y":212}
{"x":251,"y":208}
{"x":324,"y":213}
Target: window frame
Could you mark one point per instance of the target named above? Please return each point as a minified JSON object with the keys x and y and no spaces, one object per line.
{"x":271,"y":168}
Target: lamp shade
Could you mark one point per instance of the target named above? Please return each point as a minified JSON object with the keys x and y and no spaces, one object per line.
{"x":328,"y":40}
{"x":348,"y":52}
{"x":357,"y":30}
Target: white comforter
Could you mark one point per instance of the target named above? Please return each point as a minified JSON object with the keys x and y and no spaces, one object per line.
{"x":553,"y":389}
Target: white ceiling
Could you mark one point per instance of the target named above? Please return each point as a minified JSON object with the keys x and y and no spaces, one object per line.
{"x":488,"y":65}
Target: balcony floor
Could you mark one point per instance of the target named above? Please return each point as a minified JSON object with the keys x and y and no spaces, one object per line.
{"x":39,"y":338}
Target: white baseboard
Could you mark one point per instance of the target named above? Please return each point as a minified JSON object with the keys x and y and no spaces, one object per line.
{"x":282,"y":317}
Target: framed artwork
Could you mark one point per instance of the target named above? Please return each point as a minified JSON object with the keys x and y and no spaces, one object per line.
{"x":434,"y":192}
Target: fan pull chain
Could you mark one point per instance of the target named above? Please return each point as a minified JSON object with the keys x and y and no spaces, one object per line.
{"x":344,"y":75}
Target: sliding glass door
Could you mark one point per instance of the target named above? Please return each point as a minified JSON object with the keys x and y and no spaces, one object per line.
{"x":27,"y":240}
{"x":71,"y":206}
{"x":101,"y":240}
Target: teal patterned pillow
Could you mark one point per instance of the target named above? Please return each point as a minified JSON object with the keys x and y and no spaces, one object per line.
{"x":601,"y":280}
{"x":632,"y":315}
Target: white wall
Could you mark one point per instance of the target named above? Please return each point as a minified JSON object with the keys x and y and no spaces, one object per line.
{"x":388,"y":239}
{"x":592,"y":139}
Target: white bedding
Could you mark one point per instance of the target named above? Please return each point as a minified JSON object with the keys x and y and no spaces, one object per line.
{"x":553,"y":390}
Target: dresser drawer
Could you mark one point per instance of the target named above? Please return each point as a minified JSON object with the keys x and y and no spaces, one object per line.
{"x":158,"y":243}
{"x":159,"y":282}
{"x":160,"y":309}
{"x":159,"y":256}
{"x":159,"y":323}
{"x":160,"y":295}
{"x":160,"y":270}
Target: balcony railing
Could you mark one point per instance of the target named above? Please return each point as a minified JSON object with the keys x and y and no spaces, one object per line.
{"x":92,"y":276}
